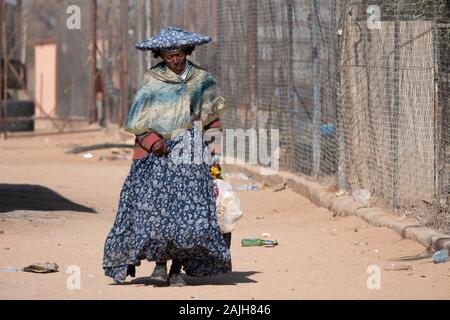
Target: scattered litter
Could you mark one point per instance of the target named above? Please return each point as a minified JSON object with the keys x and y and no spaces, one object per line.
{"x":228,"y":206}
{"x":259,"y":242}
{"x":441,"y":256}
{"x":356,"y":230}
{"x":341,"y":193}
{"x":361,"y":243}
{"x":88,"y":155}
{"x":279,"y":187}
{"x":9,"y":269}
{"x":242,"y":177}
{"x":114,"y":157}
{"x":246,"y":188}
{"x":376,"y":251}
{"x":42,"y":268}
{"x":260,"y":218}
{"x":328,"y":129}
{"x":362,"y":195}
{"x":100,"y":146}
{"x":392,"y":266}
{"x":265,"y":235}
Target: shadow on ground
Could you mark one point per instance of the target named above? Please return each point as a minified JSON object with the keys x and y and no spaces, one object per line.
{"x":35,"y":198}
{"x":228,"y":279}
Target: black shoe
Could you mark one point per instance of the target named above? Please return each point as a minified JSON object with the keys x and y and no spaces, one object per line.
{"x":160,"y":273}
{"x":176,"y":280}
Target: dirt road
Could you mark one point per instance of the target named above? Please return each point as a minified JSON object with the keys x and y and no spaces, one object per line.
{"x":58,"y":208}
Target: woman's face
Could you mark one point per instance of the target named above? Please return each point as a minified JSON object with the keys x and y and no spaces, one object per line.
{"x":175,"y":61}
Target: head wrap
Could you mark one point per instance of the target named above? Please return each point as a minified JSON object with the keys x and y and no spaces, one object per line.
{"x":173,"y":39}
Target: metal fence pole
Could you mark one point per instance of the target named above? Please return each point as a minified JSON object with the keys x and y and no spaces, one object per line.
{"x":394,"y":119}
{"x":94,"y":115}
{"x":123,"y":61}
{"x":290,"y":16}
{"x":4,"y":68}
{"x":316,"y":140}
{"x":253,"y":58}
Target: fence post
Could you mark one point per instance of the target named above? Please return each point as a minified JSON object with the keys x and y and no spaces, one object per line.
{"x":123,"y":62}
{"x":339,"y":46}
{"x":394,"y":114}
{"x":253,"y":58}
{"x":290,"y":12}
{"x":94,"y":114}
{"x":315,"y":38}
{"x":3,"y":68}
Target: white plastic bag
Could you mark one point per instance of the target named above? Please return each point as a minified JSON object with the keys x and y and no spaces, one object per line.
{"x":227,"y":206}
{"x":362,"y":195}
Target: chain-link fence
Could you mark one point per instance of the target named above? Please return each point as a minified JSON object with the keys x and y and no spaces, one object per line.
{"x":358,"y":89}
{"x":393,"y":100}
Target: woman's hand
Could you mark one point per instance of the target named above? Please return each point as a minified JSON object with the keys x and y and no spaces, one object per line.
{"x":160,"y":148}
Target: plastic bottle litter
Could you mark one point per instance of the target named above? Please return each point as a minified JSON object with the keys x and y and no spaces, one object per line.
{"x":88,"y":155}
{"x":392,"y":266}
{"x":361,"y":243}
{"x":258,"y":242}
{"x":242,"y":177}
{"x":441,"y":256}
{"x":362,"y":195}
{"x":328,"y":129}
{"x":9,"y":269}
{"x":246,"y":188}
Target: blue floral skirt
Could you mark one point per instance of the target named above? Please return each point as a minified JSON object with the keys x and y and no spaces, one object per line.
{"x":167,"y":211}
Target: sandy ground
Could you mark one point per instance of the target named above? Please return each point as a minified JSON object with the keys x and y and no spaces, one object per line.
{"x":56,"y":207}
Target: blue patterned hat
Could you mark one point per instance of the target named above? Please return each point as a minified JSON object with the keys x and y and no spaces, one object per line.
{"x":172,"y":38}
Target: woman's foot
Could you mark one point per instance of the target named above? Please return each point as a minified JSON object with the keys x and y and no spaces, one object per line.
{"x":176,"y":280}
{"x":160,"y":273}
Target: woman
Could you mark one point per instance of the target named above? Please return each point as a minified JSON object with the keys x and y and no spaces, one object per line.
{"x":167,"y":208}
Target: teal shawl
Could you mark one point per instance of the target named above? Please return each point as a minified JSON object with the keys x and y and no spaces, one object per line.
{"x":166,"y":103}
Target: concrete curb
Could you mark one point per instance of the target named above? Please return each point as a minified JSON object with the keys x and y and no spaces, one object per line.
{"x":346,"y":206}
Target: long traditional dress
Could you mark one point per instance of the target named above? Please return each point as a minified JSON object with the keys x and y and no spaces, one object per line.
{"x":167,"y":207}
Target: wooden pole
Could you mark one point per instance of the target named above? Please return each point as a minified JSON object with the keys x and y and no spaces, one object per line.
{"x":317,"y":111}
{"x":148,"y":29}
{"x":291,"y":105}
{"x":253,"y":58}
{"x":94,"y":114}
{"x":124,"y":61}
{"x":3,"y":68}
{"x":140,"y":36}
